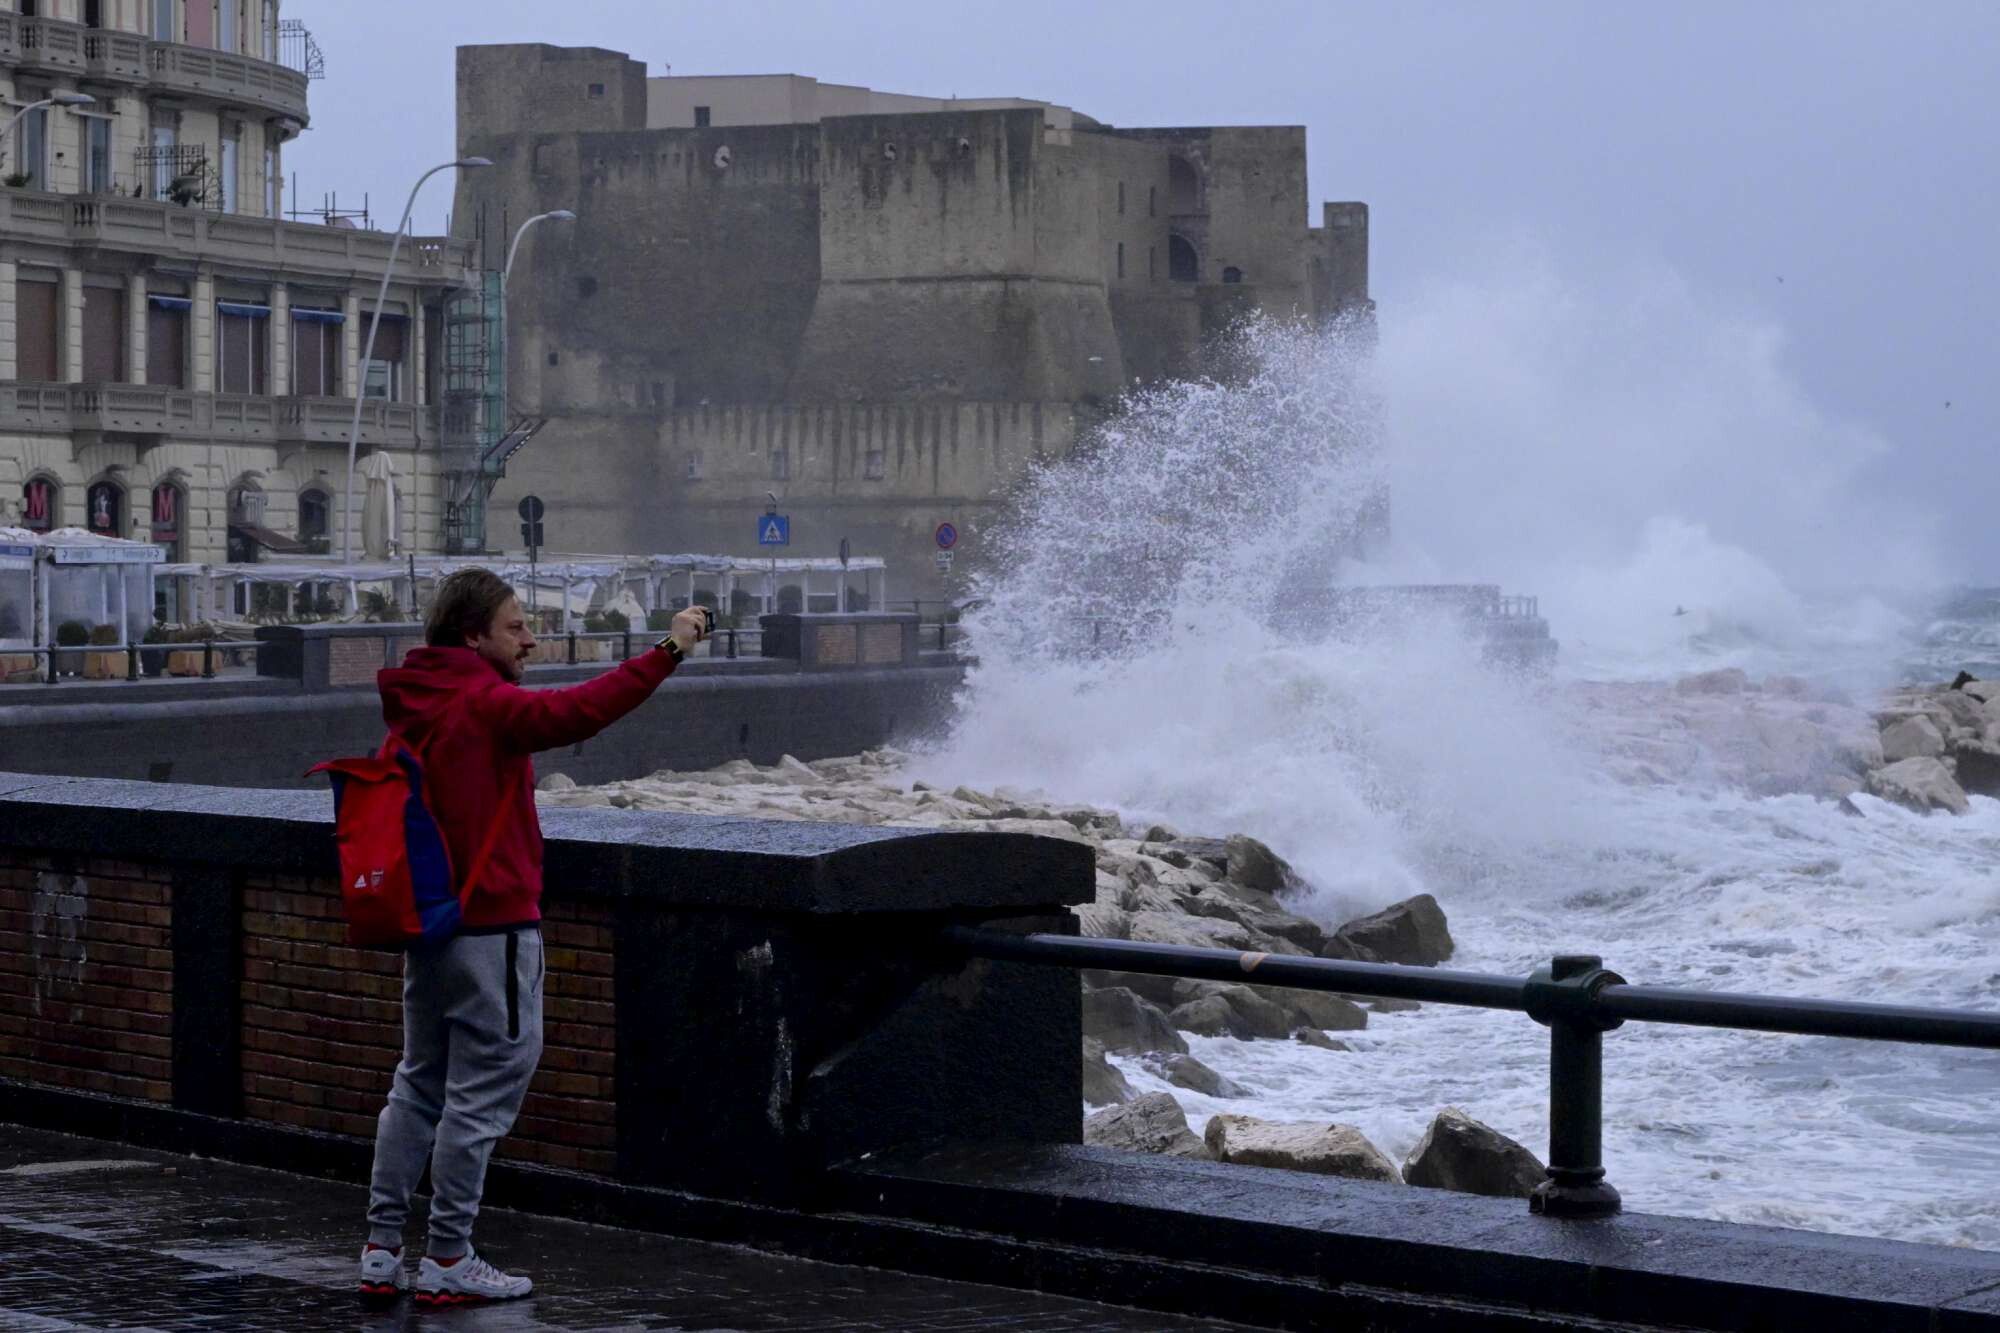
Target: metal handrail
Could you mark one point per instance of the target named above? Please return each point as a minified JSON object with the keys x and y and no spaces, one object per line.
{"x":131,"y":652}
{"x":1575,"y":997}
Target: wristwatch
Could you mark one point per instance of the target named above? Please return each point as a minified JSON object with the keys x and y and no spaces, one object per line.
{"x":671,"y":649}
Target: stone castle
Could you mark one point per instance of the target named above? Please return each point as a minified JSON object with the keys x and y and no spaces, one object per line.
{"x":876,"y":308}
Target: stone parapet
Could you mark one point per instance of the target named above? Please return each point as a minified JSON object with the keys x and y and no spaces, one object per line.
{"x":735,"y":1007}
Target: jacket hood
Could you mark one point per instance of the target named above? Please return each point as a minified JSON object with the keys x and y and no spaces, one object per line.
{"x":416,"y":694}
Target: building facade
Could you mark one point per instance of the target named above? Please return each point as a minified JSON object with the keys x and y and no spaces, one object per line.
{"x":178,"y":362}
{"x":877,"y":309}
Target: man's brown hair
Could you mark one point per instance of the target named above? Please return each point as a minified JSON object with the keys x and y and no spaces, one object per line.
{"x":464,"y":607}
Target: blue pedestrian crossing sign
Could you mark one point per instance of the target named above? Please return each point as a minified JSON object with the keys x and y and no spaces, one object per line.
{"x":774,"y":530}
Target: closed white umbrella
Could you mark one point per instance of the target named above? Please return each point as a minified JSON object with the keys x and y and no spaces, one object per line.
{"x":378,"y":513}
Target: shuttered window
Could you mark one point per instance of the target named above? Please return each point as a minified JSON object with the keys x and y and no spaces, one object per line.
{"x":103,"y":335}
{"x":385,"y":368}
{"x":316,"y":352}
{"x":166,"y":341}
{"x":36,"y":331}
{"x":242,"y":351}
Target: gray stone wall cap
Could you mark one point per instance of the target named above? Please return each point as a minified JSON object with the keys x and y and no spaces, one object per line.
{"x":673,"y":860}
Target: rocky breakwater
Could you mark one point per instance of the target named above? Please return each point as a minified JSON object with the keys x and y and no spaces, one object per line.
{"x":1939,"y":744}
{"x":1924,"y":747}
{"x":1155,"y":885}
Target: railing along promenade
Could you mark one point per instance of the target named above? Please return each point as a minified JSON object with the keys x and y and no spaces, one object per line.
{"x":1575,"y":997}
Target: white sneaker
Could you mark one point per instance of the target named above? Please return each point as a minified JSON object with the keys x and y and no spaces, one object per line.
{"x":470,"y":1281}
{"x":383,"y":1277}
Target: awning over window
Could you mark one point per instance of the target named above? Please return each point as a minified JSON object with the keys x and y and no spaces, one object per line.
{"x":242,"y":311}
{"x":312,"y":316}
{"x":268,"y":539}
{"x":170,"y":302}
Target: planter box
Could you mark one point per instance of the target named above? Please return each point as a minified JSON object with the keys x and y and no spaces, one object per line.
{"x":184,"y":663}
{"x":18,"y":668}
{"x":104,"y":666}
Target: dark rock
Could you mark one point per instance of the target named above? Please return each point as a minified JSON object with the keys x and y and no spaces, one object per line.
{"x":1411,"y":931}
{"x":1962,"y":679}
{"x":1184,"y":1071}
{"x":1318,"y":1009}
{"x":1255,"y":1015}
{"x":1850,"y":809}
{"x":1459,"y":1153}
{"x":1124,"y":1022}
{"x":1153,"y":989}
{"x":1327,"y":1150}
{"x":1209,"y":855}
{"x":1978,"y":766}
{"x":1314,"y":1037}
{"x":1210,"y":1016}
{"x":1347,"y":951}
{"x":1102,"y":1084}
{"x":1152,"y":1123}
{"x":1255,"y":866}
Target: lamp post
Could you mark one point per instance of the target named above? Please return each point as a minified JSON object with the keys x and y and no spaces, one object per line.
{"x":53,"y":99}
{"x":558,"y":215}
{"x":368,"y":352}
{"x":520,"y":234}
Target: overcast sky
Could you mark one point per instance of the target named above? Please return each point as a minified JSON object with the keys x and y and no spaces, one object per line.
{"x":1822,"y":174}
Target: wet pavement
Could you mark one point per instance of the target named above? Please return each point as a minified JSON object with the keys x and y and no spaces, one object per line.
{"x":100,"y":1236}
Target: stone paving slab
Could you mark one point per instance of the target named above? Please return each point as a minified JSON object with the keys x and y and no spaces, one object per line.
{"x":97,"y":1237}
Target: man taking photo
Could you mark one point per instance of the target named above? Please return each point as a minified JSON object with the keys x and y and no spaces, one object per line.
{"x":472,"y":1007}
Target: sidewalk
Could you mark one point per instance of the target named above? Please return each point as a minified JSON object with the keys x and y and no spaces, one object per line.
{"x":100,"y":1236}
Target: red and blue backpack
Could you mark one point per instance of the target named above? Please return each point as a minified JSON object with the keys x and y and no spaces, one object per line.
{"x":395,"y":867}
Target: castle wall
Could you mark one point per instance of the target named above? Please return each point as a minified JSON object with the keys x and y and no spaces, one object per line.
{"x":958,"y":260}
{"x":881,"y":475}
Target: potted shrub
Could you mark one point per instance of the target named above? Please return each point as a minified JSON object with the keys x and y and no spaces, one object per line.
{"x":71,"y":634}
{"x":187,"y":661}
{"x":104,"y":666}
{"x":16,"y":179}
{"x":153,"y":661}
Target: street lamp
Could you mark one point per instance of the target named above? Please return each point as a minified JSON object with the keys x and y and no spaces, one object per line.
{"x":520,"y":234}
{"x":559,"y":215}
{"x":53,"y":99}
{"x":368,"y":352}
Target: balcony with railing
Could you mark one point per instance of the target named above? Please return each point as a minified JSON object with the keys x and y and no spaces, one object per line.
{"x":283,"y":249}
{"x":148,"y":410}
{"x":57,"y":47}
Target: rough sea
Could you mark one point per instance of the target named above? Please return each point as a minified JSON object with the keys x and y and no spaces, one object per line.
{"x":1400,"y":764}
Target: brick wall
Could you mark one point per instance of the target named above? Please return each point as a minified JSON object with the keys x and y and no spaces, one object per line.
{"x":322,"y":1026}
{"x":86,"y":975}
{"x":354,"y":661}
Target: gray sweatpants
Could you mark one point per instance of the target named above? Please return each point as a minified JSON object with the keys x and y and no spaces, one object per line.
{"x":472,"y":1035}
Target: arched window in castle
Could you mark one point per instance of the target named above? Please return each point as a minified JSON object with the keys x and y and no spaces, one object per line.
{"x":1183,"y":264}
{"x":1183,"y":187}
{"x":104,"y":508}
{"x":315,"y":508}
{"x":169,"y":521}
{"x":41,"y":504}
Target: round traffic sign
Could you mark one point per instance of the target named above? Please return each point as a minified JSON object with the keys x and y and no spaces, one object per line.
{"x":531,"y":508}
{"x":947,"y":536}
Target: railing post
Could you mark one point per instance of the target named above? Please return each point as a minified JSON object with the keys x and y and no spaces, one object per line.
{"x":572,"y":647}
{"x":625,"y":653}
{"x":1563,"y":996}
{"x":52,"y":665}
{"x":208,"y":659}
{"x":131,"y":661}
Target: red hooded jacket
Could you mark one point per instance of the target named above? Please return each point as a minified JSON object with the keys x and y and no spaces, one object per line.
{"x":474,"y":730}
